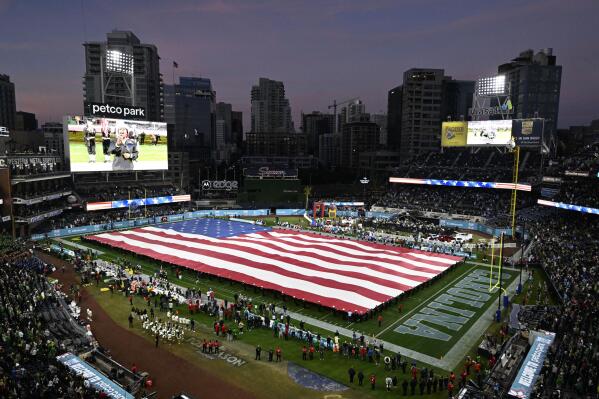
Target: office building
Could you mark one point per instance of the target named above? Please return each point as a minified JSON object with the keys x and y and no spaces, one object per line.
{"x":381,"y":121}
{"x":394,"y":103}
{"x":190,"y":107}
{"x":8,"y":107}
{"x":419,"y":106}
{"x":237,"y":129}
{"x":25,"y":121}
{"x":355,"y":111}
{"x":124,"y":71}
{"x":535,"y":83}
{"x":270,"y":109}
{"x":53,"y":138}
{"x":314,"y":125}
{"x":224,"y":123}
{"x":457,"y":99}
{"x":275,"y":144}
{"x":329,"y":149}
{"x":357,"y":137}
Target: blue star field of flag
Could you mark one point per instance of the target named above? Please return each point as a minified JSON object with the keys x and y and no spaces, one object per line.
{"x":215,"y":228}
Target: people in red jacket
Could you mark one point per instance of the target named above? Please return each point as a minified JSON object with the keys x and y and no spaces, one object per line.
{"x":372,"y":381}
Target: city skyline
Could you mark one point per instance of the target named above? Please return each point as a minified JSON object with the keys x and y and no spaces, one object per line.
{"x":321,"y":52}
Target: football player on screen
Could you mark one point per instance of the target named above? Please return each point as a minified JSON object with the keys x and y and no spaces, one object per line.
{"x":124,"y":148}
{"x":105,"y":140}
{"x":89,"y":136}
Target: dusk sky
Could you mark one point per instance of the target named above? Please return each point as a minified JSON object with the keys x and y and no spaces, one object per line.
{"x":321,"y":50}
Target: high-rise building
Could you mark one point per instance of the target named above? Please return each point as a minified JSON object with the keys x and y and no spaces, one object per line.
{"x":224,"y":122}
{"x":381,"y":121}
{"x":275,"y":144}
{"x":270,"y":109}
{"x":535,"y":82}
{"x":124,"y":71}
{"x":237,"y":129}
{"x":329,"y":149}
{"x":394,"y":103}
{"x":418,"y":107}
{"x":355,"y":111}
{"x":53,"y":138}
{"x":357,"y":137}
{"x":25,"y":121}
{"x":457,"y":99}
{"x":8,"y":107}
{"x":190,"y":107}
{"x":314,"y":125}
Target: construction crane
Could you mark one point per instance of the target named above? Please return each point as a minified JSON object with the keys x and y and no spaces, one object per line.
{"x":334,"y":106}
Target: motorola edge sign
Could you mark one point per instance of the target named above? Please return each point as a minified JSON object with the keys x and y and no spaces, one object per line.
{"x":228,"y":185}
{"x":114,"y":111}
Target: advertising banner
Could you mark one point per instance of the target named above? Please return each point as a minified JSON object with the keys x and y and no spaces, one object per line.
{"x":96,"y":379}
{"x":453,"y":134}
{"x":463,"y":224}
{"x":266,"y":171}
{"x":227,"y":185}
{"x":114,"y":111}
{"x":528,"y":132}
{"x":569,"y":207}
{"x":483,"y":133}
{"x":290,"y":212}
{"x":95,"y":144}
{"x":530,"y":369}
{"x":136,"y":202}
{"x":461,"y":183}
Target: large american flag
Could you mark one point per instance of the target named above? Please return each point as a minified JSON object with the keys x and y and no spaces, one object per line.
{"x":353,"y":276}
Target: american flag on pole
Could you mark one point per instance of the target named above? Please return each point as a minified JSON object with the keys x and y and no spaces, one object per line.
{"x":353,"y":276}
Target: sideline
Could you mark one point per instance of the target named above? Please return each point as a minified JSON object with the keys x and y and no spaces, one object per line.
{"x":78,"y":246}
{"x":447,"y":362}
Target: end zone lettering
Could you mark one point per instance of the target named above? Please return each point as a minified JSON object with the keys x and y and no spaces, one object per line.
{"x":116,"y":111}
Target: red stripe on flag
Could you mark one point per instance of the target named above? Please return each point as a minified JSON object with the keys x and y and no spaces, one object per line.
{"x":303,"y":295}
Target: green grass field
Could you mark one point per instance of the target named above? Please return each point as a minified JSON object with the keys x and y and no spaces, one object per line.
{"x":147,"y":152}
{"x":334,"y":366}
{"x":392,"y":318}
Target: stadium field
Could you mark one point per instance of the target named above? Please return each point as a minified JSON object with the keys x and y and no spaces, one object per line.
{"x":333,"y":366}
{"x":420,"y":308}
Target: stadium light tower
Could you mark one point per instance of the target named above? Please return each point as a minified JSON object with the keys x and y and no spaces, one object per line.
{"x":117,"y":76}
{"x":491,"y":97}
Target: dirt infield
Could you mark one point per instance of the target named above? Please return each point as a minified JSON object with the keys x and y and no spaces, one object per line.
{"x":172,"y":374}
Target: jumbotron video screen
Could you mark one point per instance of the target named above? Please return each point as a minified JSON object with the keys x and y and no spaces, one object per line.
{"x":96,"y":144}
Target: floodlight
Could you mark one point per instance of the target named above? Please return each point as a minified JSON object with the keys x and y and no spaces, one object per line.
{"x":494,"y":85}
{"x":120,"y":62}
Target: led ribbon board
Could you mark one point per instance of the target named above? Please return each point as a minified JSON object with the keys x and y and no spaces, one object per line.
{"x":461,"y":183}
{"x":569,"y":207}
{"x":96,"y":206}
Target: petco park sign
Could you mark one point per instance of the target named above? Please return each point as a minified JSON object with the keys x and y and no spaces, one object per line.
{"x":228,"y":185}
{"x":115,"y":111}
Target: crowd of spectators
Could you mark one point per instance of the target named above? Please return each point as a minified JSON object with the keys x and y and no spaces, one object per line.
{"x":41,"y":188}
{"x":34,"y":329}
{"x":566,"y":245}
{"x":114,"y":192}
{"x":488,"y":204}
{"x":76,"y":218}
{"x":471,"y":164}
